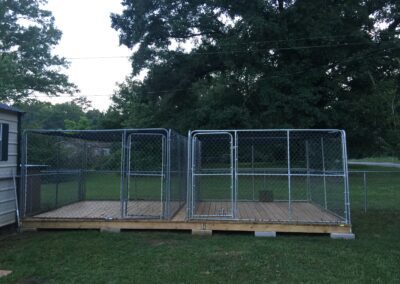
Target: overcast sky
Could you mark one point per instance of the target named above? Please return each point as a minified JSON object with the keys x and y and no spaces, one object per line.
{"x":87,"y":33}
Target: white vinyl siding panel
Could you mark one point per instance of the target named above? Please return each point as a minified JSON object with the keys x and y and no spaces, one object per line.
{"x":7,"y":169}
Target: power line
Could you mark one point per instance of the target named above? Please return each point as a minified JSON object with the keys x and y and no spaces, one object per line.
{"x":344,"y":44}
{"x":97,"y":57}
{"x":70,"y":96}
{"x":286,"y":48}
{"x":290,"y":40}
{"x":346,"y":60}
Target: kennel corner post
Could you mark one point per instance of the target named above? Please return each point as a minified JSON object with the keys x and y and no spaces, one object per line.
{"x":324,"y":172}
{"x":23,"y":180}
{"x":83,"y":172}
{"x":289,"y":175}
{"x":347,"y":209}
{"x":235,"y":175}
{"x":123,"y":172}
{"x":166,"y":175}
{"x":308,"y":170}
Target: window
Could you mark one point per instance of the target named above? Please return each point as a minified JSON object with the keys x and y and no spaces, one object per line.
{"x":4,"y":142}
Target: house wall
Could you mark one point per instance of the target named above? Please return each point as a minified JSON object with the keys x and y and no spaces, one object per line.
{"x":8,"y":169}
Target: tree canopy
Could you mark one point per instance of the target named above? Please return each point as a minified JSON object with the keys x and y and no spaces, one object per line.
{"x":70,"y":115}
{"x":265,"y":64}
{"x":27,"y":65}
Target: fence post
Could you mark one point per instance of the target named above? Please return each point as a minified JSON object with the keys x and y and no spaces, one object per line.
{"x":189,"y":185}
{"x":58,"y":169}
{"x":365,"y":192}
{"x":308,"y":171}
{"x":235,"y":173}
{"x":252,"y":167}
{"x":323,"y":169}
{"x":24,"y":174}
{"x":289,"y":174}
{"x":124,"y":187}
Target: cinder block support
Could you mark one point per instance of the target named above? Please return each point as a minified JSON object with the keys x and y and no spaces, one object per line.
{"x":344,"y":236}
{"x":110,"y":230}
{"x":24,"y":229}
{"x":265,"y":234}
{"x":201,"y":232}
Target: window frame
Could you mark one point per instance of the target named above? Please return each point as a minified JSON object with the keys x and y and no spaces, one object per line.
{"x":4,"y":141}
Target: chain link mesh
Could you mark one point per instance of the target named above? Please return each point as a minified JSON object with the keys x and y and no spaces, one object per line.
{"x":271,"y":175}
{"x":278,"y":175}
{"x":104,"y":174}
{"x":212,"y":174}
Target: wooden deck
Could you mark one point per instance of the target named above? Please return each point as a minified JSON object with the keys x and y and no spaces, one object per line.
{"x":105,"y":210}
{"x":302,"y":212}
{"x":253,"y":216}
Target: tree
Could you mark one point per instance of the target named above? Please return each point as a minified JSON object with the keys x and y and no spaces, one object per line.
{"x":81,"y":124}
{"x":83,"y":102}
{"x":27,"y":66}
{"x":45,"y":115}
{"x":263,"y":64}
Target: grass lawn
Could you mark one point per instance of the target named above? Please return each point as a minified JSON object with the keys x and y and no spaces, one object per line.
{"x":378,"y":160}
{"x":167,"y":257}
{"x":178,"y":257}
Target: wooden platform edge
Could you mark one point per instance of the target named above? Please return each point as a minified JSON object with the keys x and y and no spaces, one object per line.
{"x":34,"y":223}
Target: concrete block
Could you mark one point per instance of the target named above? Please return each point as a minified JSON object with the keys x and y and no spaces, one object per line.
{"x":344,"y":236}
{"x":201,"y":232}
{"x":24,"y":229}
{"x":110,"y":230}
{"x":265,"y":234}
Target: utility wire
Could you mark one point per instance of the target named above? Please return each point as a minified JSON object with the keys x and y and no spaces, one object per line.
{"x":97,"y":57}
{"x":194,"y":52}
{"x":346,"y":60}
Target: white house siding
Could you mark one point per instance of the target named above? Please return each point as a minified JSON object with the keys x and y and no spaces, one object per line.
{"x":8,"y":169}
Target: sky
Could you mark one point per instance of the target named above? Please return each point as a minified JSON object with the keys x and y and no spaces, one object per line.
{"x":87,"y":35}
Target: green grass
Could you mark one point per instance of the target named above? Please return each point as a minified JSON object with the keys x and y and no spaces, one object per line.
{"x":377,"y":160}
{"x":166,"y":257}
{"x":383,"y":190}
{"x":171,"y":257}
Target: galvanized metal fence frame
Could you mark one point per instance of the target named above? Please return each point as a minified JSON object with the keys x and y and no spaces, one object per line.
{"x":383,"y":185}
{"x":236,"y":174}
{"x":173,"y":144}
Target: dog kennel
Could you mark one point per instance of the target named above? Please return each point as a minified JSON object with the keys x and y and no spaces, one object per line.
{"x":107,"y":174}
{"x":296,"y":176}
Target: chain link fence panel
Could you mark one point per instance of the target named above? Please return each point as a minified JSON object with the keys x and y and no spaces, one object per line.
{"x":269,"y":175}
{"x":103,"y":173}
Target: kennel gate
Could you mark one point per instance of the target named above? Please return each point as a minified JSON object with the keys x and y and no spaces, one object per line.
{"x":146,"y":167}
{"x":219,"y":175}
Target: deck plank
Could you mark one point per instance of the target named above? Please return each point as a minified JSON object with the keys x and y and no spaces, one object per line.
{"x":266,"y":211}
{"x":200,"y":208}
{"x":244,"y":211}
{"x":257,"y":211}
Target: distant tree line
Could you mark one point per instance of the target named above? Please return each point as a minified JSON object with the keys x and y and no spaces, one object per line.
{"x":69,"y":115}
